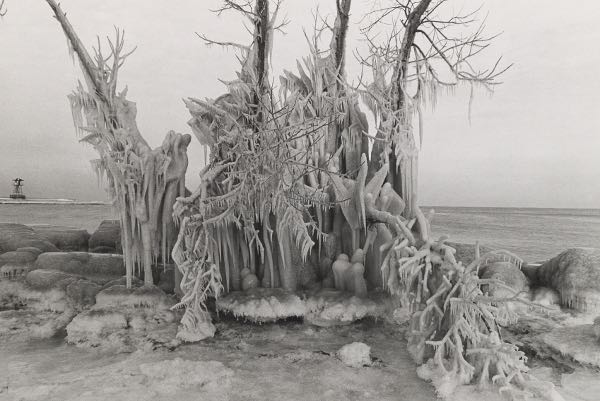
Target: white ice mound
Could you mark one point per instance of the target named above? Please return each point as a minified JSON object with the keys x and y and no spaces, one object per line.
{"x":330,"y":307}
{"x":126,"y":319}
{"x":262,"y":304}
{"x":355,"y":355}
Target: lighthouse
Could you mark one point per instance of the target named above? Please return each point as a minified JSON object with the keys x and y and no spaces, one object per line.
{"x":17,"y":192}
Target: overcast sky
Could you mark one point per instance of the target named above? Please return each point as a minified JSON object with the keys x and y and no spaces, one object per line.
{"x":535,"y":142}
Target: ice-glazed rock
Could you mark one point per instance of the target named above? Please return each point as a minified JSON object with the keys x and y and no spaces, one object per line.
{"x":465,"y":253}
{"x":125,"y":319}
{"x":119,"y":296}
{"x":509,"y":274}
{"x":340,"y":270}
{"x":42,"y":279}
{"x":64,"y":238}
{"x":106,"y":238}
{"x":575,"y":274}
{"x":355,"y":355}
{"x":82,"y":292}
{"x":42,"y":304}
{"x":14,"y":236}
{"x":32,"y":250}
{"x":95,"y":266}
{"x":122,"y":281}
{"x":15,"y":264}
{"x":262,"y":304}
{"x":17,"y":258}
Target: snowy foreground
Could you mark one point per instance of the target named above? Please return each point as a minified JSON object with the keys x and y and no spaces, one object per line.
{"x":289,"y":361}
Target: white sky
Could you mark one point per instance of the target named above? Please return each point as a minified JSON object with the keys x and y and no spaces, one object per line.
{"x":535,"y":142}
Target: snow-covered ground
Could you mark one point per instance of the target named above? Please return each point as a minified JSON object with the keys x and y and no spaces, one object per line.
{"x":290,"y":361}
{"x":276,"y":361}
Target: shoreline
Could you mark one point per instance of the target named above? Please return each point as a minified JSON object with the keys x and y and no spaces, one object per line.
{"x":9,"y":201}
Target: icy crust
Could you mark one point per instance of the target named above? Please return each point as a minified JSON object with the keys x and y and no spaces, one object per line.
{"x":262,"y":305}
{"x":41,"y":305}
{"x":24,"y":325}
{"x":449,"y":387}
{"x":126,"y":319}
{"x":563,"y":336}
{"x":330,"y":307}
{"x":578,"y":343}
{"x":179,"y":373}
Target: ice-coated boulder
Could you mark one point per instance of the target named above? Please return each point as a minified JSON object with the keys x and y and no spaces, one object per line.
{"x":126,"y":319}
{"x":64,"y":238}
{"x":106,"y":238}
{"x":465,"y":253}
{"x":509,"y":274}
{"x":42,"y":279}
{"x":119,"y":296}
{"x":575,"y":274}
{"x":94,"y":266}
{"x":355,"y":355}
{"x":14,"y":236}
{"x":15,"y":264}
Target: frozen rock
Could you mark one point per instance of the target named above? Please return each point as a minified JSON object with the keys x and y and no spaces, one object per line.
{"x":575,"y":274}
{"x":42,"y":279}
{"x":17,"y":258}
{"x":64,"y":238}
{"x":262,"y":304}
{"x":106,"y":238}
{"x":509,"y":274}
{"x":135,"y":282}
{"x":32,"y":250}
{"x":15,"y":264}
{"x":329,"y":307}
{"x":95,"y":266}
{"x":125,"y":320}
{"x":465,"y":253}
{"x":355,"y":355}
{"x":52,"y":286}
{"x":14,"y":236}
{"x":82,"y":292}
{"x":119,"y":296}
{"x":27,"y":324}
